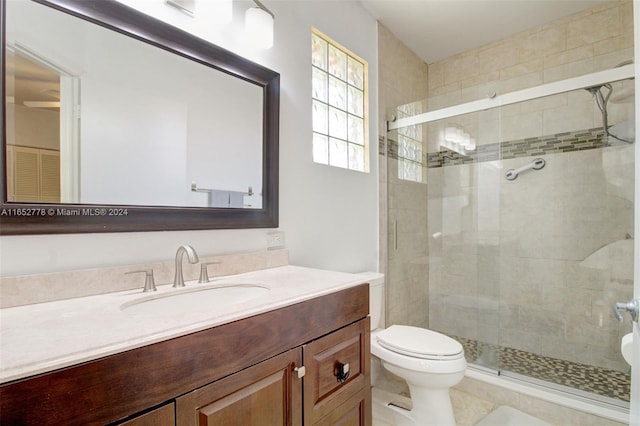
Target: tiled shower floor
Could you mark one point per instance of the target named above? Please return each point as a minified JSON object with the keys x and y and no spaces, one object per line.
{"x":587,"y":378}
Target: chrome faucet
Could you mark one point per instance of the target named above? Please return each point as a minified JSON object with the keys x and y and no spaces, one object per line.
{"x":178,"y":280}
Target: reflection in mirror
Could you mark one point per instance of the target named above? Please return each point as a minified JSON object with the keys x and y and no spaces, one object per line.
{"x":126,"y":122}
{"x":108,"y":110}
{"x":33,"y":130}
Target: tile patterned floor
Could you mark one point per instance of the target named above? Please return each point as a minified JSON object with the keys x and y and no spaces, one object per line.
{"x":587,"y":378}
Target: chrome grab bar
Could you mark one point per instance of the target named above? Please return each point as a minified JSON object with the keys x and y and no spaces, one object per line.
{"x":536,"y":164}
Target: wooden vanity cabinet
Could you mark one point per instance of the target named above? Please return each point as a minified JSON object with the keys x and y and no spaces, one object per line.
{"x":275,"y":368}
{"x":328,"y":400}
{"x":163,"y":416}
{"x":269,"y":393}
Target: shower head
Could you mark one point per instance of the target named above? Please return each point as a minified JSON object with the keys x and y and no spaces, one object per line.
{"x":594,"y":90}
{"x":602,"y":100}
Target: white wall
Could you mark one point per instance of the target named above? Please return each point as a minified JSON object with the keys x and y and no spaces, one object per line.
{"x":329,"y":215}
{"x":154,"y":169}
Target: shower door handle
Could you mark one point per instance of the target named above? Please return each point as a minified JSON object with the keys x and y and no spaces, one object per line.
{"x":633,"y":307}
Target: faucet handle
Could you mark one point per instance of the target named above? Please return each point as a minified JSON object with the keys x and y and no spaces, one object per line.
{"x":204,"y":272}
{"x":149,"y":282}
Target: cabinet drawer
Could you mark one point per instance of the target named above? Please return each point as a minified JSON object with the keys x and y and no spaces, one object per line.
{"x":323,"y":391}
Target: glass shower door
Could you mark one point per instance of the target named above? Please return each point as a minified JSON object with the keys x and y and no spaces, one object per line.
{"x":463,"y":231}
{"x":526,"y":237}
{"x":566,"y":240}
{"x":407,"y":268}
{"x":443,"y":228}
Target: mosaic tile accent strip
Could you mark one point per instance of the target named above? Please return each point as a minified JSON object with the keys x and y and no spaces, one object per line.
{"x":529,"y":147}
{"x":587,"y":378}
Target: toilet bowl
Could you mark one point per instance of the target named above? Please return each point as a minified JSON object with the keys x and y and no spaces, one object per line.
{"x":428,"y":361}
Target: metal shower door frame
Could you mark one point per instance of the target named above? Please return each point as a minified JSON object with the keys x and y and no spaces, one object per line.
{"x":581,"y":82}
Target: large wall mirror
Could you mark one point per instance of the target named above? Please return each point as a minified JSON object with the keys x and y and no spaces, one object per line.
{"x":115,"y":121}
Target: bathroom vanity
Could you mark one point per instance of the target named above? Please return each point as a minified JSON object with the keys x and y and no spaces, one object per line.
{"x":301,"y":359}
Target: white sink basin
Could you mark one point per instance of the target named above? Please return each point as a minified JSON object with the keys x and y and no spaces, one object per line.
{"x":211,"y":299}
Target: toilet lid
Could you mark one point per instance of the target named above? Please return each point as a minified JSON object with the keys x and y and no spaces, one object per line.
{"x":419,"y":343}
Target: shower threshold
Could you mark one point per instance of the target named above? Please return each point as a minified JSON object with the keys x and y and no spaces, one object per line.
{"x":599,"y":385}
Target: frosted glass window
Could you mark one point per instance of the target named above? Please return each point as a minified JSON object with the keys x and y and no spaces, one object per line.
{"x":355,"y":130}
{"x":356,"y":156}
{"x":355,"y":101}
{"x":337,"y":123}
{"x":320,"y":85}
{"x":320,"y":117}
{"x":337,"y":62}
{"x":319,"y":52}
{"x":339,"y":114}
{"x":410,"y":146}
{"x":355,"y":73}
{"x":337,"y":93}
{"x":338,"y":153}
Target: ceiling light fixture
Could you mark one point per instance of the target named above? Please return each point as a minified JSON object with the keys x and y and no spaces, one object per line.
{"x":258,"y":24}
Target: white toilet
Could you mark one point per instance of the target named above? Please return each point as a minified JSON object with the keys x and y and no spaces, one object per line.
{"x":430,"y":362}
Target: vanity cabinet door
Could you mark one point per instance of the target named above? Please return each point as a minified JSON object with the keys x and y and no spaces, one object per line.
{"x":268,"y":393}
{"x":330,"y":395}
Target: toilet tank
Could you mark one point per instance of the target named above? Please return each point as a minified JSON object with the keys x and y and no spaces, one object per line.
{"x":376,"y":290}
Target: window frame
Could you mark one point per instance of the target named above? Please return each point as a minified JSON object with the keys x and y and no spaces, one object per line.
{"x":366,"y":144}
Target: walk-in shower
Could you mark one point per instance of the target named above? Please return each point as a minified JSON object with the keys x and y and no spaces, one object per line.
{"x":510,"y":225}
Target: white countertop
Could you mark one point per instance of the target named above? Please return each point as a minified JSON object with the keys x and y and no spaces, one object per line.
{"x":47,"y":336}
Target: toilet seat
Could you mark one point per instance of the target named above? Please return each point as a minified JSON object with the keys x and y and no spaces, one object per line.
{"x":420,"y":343}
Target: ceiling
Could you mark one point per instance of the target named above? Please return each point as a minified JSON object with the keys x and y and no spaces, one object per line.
{"x":438,"y":29}
{"x":28,"y":81}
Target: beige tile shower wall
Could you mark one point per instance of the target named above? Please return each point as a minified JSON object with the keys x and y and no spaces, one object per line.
{"x":598,"y":39}
{"x":536,"y":263}
{"x":403,"y":78}
{"x":553,"y":245}
{"x":566,"y":256}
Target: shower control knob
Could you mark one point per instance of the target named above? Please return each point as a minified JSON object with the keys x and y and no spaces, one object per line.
{"x":633,"y":307}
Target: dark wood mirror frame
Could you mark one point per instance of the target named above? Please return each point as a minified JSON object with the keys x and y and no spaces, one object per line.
{"x":31,"y":218}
